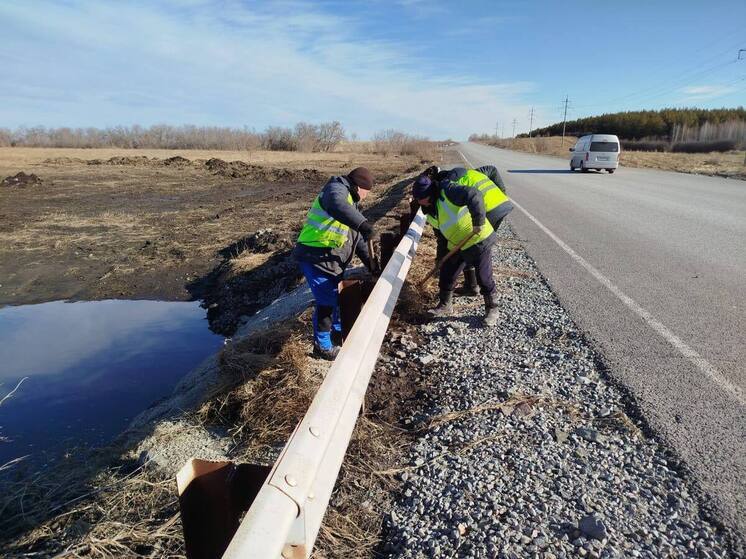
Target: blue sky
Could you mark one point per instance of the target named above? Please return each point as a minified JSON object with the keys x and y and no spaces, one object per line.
{"x":441,"y":69}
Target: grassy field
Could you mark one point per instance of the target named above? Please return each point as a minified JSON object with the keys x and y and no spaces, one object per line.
{"x":729,"y":164}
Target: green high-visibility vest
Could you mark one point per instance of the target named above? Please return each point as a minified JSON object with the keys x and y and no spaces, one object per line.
{"x":321,"y":229}
{"x":493,"y":196}
{"x":454,"y":222}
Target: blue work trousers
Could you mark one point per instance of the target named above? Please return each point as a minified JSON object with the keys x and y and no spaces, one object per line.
{"x":326,"y":315}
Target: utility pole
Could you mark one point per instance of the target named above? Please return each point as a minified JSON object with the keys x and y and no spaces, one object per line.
{"x":564,"y":121}
{"x":739,"y":58}
{"x":497,"y":125}
{"x":531,"y":121}
{"x":514,"y":121}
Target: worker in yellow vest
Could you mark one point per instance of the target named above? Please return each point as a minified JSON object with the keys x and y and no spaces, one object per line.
{"x":334,"y":232}
{"x":497,"y":205}
{"x":457,"y":212}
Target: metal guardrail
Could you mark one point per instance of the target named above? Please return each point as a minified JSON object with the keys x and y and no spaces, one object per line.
{"x":284,"y":519}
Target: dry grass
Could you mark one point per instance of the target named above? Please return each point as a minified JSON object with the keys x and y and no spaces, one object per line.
{"x":354,"y":521}
{"x":413,"y":301}
{"x":352,"y":153}
{"x":552,"y":145}
{"x":730,"y":164}
{"x":276,"y":388}
{"x":86,"y":509}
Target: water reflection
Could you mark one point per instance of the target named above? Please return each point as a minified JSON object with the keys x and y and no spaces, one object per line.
{"x":92,"y":366}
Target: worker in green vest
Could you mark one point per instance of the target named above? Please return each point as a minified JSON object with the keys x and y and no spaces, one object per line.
{"x":334,"y":232}
{"x":456,"y":213}
{"x":497,"y":205}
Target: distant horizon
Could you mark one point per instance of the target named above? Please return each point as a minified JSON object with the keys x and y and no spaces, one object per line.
{"x":253,"y":130}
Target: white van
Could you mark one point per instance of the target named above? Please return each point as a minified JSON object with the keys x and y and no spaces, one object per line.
{"x":595,"y":151}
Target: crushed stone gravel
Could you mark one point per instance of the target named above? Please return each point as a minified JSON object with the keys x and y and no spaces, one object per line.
{"x":525,"y":448}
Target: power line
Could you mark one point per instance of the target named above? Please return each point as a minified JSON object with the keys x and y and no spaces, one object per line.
{"x":662,"y":88}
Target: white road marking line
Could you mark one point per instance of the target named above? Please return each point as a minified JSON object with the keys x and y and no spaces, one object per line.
{"x":695,"y":358}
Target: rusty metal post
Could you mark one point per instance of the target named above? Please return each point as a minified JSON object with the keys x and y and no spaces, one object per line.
{"x":404,"y":221}
{"x":389,"y":241}
{"x":353,"y":293}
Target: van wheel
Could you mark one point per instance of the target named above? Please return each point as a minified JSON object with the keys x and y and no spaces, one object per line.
{"x":611,"y":170}
{"x":582,"y":168}
{"x":572,"y":167}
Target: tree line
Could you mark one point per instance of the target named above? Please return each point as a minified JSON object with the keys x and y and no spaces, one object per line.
{"x":303,"y":137}
{"x":638,"y":125}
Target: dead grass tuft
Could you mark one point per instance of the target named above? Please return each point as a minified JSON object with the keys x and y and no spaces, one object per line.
{"x":77,"y":512}
{"x":274,"y":386}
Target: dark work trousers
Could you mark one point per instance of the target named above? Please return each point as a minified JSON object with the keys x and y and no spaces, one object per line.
{"x":482,"y":261}
{"x":495,"y":224}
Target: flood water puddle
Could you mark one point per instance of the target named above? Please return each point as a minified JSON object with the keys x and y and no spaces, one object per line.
{"x":92,"y":366}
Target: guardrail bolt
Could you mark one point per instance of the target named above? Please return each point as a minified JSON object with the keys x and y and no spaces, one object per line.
{"x":291,"y":481}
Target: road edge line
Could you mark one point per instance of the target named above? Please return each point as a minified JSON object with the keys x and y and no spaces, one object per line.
{"x":689,"y":353}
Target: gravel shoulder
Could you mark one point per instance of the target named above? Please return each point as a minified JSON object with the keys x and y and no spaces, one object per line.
{"x":525,"y":448}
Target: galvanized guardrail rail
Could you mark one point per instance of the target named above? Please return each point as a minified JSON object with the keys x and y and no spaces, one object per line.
{"x":284,"y":518}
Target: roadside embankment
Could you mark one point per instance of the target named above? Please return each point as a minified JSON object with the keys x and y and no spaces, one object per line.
{"x":729,"y":164}
{"x":240,"y":405}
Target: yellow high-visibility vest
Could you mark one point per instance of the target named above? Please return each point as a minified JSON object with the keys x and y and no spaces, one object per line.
{"x":454,"y":222}
{"x":493,"y":196}
{"x":321,"y":229}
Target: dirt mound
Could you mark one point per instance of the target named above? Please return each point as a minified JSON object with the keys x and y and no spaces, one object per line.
{"x":239,"y":169}
{"x":258,"y":242}
{"x":233,"y":169}
{"x":136,"y":161}
{"x":63,"y":160}
{"x":21,"y":179}
{"x":297,"y":175}
{"x":176,"y":161}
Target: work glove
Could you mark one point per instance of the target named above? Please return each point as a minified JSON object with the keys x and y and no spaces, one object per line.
{"x":366,"y":230}
{"x":477,"y":229}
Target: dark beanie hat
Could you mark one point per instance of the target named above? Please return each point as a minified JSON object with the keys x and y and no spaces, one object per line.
{"x":361,"y":178}
{"x":422,"y":188}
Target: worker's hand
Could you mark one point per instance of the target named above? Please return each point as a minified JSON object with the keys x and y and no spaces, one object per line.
{"x":366,"y":230}
{"x":476,"y":230}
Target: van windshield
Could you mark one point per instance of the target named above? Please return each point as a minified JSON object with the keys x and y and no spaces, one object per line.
{"x":605,"y":146}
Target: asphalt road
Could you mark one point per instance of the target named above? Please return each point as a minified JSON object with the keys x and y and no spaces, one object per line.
{"x":652,"y":265}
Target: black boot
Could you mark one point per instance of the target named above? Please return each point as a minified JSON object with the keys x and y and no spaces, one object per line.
{"x":469,"y":289}
{"x":328,"y":354}
{"x":445,"y":306}
{"x":491,"y":314}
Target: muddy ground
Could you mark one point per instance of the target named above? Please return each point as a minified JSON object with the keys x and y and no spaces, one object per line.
{"x":99,"y":224}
